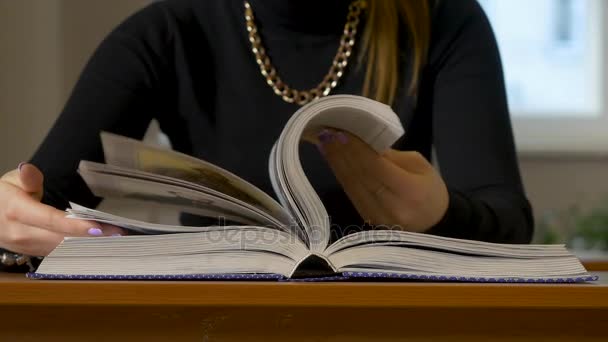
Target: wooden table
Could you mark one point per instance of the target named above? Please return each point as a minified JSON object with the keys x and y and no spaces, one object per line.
{"x":34,"y":310}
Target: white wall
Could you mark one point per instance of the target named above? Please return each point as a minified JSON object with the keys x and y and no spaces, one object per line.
{"x":30,"y":76}
{"x":559,"y":182}
{"x":43,"y":46}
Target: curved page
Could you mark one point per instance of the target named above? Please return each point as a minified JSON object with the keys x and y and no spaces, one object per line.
{"x":372,"y":121}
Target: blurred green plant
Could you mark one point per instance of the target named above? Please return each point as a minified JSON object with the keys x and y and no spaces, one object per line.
{"x":579,"y":229}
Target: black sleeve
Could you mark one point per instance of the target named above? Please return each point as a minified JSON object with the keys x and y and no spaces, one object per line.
{"x":116,"y":92}
{"x":472,"y":130}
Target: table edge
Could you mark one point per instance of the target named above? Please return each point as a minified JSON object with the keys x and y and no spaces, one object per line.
{"x":358,"y":294}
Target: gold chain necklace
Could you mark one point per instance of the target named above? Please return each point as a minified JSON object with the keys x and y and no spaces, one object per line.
{"x":336,"y":71}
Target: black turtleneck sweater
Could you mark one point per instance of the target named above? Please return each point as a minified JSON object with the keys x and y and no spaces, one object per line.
{"x":188,"y":64}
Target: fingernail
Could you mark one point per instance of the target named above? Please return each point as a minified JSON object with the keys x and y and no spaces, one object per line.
{"x":342,"y":138}
{"x":20,"y":166}
{"x":95,"y":232}
{"x":326,"y":136}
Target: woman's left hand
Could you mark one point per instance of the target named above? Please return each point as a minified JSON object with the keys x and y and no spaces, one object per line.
{"x":397,"y":189}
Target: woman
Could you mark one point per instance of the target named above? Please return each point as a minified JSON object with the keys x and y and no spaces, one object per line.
{"x":191,"y":64}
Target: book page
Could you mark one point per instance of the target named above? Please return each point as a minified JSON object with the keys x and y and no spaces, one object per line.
{"x":195,"y":202}
{"x":134,"y":154}
{"x":394,"y":259}
{"x":213,"y":250}
{"x":421,"y":240}
{"x":91,"y":170}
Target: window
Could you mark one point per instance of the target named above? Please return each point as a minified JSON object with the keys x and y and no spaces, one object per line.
{"x":552,"y":54}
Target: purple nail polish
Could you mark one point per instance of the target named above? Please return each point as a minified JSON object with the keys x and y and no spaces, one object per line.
{"x":95,"y":232}
{"x":326,"y":136}
{"x":342,"y":138}
{"x":20,"y":166}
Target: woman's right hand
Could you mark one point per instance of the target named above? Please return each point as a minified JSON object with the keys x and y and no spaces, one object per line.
{"x":30,"y":227}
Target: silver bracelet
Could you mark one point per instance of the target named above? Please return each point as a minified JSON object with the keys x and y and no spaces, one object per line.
{"x":11,"y":259}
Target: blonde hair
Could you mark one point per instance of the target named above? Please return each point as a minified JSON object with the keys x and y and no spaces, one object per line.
{"x":380,"y":45}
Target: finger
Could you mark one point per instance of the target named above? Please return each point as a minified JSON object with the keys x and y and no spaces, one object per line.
{"x":386,"y":185}
{"x":374,"y":184}
{"x":365,"y":164}
{"x":410,"y":175}
{"x":112,"y":230}
{"x":385,"y":189}
{"x":358,"y":194}
{"x":26,"y":177}
{"x":414,"y":198}
{"x":396,"y":184}
{"x":334,"y":141}
{"x":28,"y":240}
{"x":411,"y":161}
{"x":396,"y":178}
{"x":353,"y":159}
{"x":352,"y":172}
{"x":31,"y":179}
{"x":334,"y":144}
{"x":30,"y":212}
{"x":12,"y":178}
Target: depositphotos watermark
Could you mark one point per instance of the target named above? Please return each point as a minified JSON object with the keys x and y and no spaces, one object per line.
{"x":247,"y":235}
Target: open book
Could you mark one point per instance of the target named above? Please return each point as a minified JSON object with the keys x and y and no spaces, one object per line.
{"x":270,"y":239}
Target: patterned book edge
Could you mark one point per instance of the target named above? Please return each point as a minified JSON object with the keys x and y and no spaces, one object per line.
{"x":223,"y":276}
{"x":346,"y":276}
{"x":439,"y":278}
